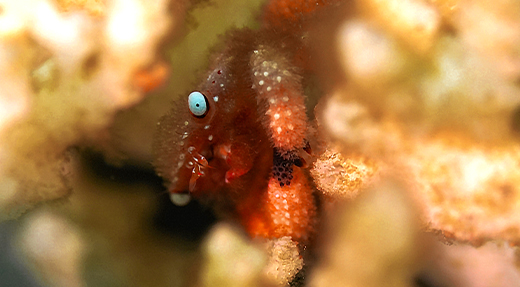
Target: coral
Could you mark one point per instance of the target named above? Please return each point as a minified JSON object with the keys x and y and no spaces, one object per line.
{"x":462,"y":265}
{"x":342,"y":176}
{"x":374,"y":241}
{"x":226,"y":252}
{"x":65,"y":75}
{"x":54,"y":246}
{"x":284,"y":260}
{"x":440,"y":110}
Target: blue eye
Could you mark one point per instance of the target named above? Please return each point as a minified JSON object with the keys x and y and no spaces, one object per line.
{"x":198,"y":104}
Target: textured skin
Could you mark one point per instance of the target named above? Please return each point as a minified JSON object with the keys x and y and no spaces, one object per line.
{"x":249,"y":144}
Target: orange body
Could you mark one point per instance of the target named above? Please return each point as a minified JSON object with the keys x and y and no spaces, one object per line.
{"x":242,"y":152}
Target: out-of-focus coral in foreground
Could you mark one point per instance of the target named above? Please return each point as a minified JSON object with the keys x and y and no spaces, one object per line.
{"x":66,"y":68}
{"x":381,"y":231}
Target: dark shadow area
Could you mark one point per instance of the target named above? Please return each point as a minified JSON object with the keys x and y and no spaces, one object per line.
{"x":190,"y":222}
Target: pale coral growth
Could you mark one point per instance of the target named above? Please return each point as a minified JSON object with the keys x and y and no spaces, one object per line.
{"x":350,"y":122}
{"x":64,"y":77}
{"x":470,"y":191}
{"x":227,"y":251}
{"x":456,"y":85}
{"x":443,"y":119}
{"x":373,"y":241}
{"x":284,"y":260}
{"x":461,"y":92}
{"x":467,"y":189}
{"x":93,"y":7}
{"x":493,"y":29}
{"x":415,"y":22}
{"x":493,"y":264}
{"x":343,"y":176}
{"x":368,"y":54}
{"x":55,"y":248}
